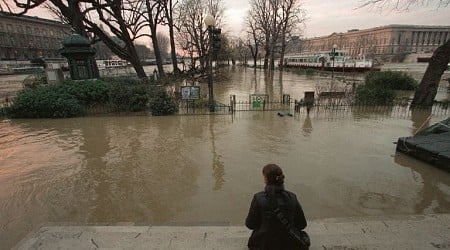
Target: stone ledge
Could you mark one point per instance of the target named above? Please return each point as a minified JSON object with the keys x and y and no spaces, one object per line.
{"x":386,"y":232}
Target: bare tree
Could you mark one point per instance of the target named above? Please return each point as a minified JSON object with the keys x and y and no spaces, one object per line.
{"x":242,"y":51}
{"x":5,"y":6}
{"x":164,"y":43}
{"x":169,"y":7}
{"x":143,"y":51}
{"x":427,"y":90}
{"x":254,"y":36}
{"x":292,"y":16}
{"x":262,"y":15}
{"x":120,"y":18}
{"x":192,"y":31}
{"x":399,"y":5}
{"x":192,"y":34}
{"x":153,"y":14}
{"x":275,"y":20}
{"x":91,"y":16}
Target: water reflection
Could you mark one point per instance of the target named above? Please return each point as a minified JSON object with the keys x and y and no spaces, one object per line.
{"x":217,"y":162}
{"x":194,"y":169}
{"x":420,"y":118}
{"x":307,"y":126}
{"x":433,"y":196}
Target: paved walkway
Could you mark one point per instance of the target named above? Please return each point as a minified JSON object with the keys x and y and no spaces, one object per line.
{"x":393,"y":232}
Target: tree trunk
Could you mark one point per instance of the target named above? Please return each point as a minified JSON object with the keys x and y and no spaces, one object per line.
{"x":157,"y":50}
{"x":169,"y":13}
{"x":137,"y":65}
{"x":426,"y":92}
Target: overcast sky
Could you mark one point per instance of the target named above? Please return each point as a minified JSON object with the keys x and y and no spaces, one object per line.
{"x":328,"y":16}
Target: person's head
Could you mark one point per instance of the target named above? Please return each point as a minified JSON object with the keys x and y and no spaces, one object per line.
{"x":273,"y":175}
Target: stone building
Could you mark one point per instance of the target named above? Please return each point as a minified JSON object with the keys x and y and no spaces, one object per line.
{"x":25,"y":37}
{"x":385,"y":43}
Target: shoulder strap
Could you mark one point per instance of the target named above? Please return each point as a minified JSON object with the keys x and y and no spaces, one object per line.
{"x":292,"y":230}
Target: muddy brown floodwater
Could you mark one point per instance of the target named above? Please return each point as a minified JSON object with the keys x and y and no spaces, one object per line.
{"x":205,"y":169}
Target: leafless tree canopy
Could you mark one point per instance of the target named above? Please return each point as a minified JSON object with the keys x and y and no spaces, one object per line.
{"x":192,"y":35}
{"x":164,"y":44}
{"x":400,"y":5}
{"x":270,"y":23}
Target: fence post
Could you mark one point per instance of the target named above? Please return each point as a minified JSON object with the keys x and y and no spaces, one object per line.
{"x":286,"y":98}
{"x":232,"y":103}
{"x":309,"y":100}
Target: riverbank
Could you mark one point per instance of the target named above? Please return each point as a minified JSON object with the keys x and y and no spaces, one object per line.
{"x":385,"y":232}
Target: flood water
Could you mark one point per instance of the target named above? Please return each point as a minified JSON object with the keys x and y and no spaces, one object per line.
{"x":205,"y":169}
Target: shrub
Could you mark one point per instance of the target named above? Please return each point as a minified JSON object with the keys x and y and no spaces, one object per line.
{"x":123,"y":80}
{"x":162,"y":104}
{"x":392,"y":80}
{"x":88,"y":92}
{"x":45,"y":102}
{"x":132,"y":97}
{"x":374,"y":95}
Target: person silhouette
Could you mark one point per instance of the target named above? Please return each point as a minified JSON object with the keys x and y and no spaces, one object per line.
{"x":275,"y":214}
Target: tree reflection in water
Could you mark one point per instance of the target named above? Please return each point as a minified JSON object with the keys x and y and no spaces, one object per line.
{"x":307,"y":126}
{"x":217,"y":163}
{"x":431,"y":198}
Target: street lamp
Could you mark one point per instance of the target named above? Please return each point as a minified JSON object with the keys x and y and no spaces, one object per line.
{"x":333,"y":51}
{"x":209,"y":22}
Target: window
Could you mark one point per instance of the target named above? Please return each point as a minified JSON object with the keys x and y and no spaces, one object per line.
{"x":19,"y":29}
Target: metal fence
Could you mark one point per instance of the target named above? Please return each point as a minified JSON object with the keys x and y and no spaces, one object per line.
{"x":330,"y":108}
{"x":340,"y":106}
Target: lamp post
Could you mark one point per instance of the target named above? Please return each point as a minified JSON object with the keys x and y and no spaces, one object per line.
{"x":333,"y":51}
{"x":15,"y":56}
{"x":210,"y":21}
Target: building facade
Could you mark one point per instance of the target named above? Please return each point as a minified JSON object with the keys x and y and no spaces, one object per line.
{"x":385,"y":43}
{"x":25,"y":37}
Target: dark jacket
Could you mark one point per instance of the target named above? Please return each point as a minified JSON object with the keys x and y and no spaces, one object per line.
{"x":268,"y":232}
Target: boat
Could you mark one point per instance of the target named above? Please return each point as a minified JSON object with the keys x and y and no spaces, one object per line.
{"x":324,"y":60}
{"x":105,"y":64}
{"x":28,"y":69}
{"x":6,"y":70}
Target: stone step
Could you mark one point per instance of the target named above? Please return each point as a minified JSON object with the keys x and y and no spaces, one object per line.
{"x":392,"y":232}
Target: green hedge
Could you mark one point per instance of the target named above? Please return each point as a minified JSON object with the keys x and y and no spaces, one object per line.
{"x":162,"y":104}
{"x":392,"y":80}
{"x":374,"y":95}
{"x":72,"y":98}
{"x":45,"y":102}
{"x":379,"y":87}
{"x":133,"y":97}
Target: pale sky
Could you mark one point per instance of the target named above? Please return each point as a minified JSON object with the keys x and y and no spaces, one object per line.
{"x":328,"y":16}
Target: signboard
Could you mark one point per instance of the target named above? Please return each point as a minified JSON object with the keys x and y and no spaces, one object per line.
{"x":256,"y":101}
{"x":190,"y":92}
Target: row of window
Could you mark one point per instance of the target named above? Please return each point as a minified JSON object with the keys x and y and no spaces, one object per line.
{"x":417,"y":38}
{"x":29,"y":41}
{"x":428,"y":38}
{"x":32,"y":30}
{"x":18,"y":54}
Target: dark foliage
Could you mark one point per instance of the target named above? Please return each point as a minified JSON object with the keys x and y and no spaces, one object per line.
{"x":162,"y":104}
{"x":45,"y":102}
{"x":392,"y":80}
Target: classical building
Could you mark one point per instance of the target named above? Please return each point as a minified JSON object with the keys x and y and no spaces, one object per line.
{"x":26,"y":37}
{"x":385,"y":43}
